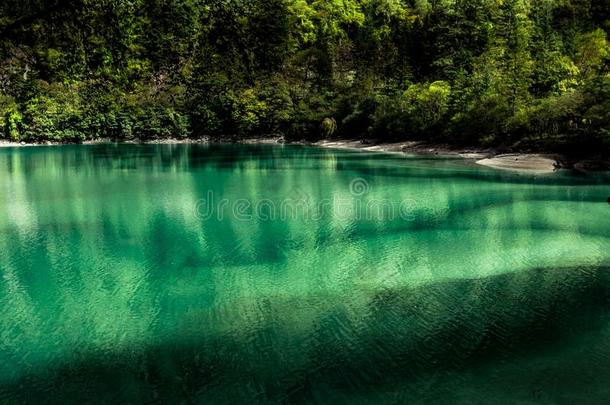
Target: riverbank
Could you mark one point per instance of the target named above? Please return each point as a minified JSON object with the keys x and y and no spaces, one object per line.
{"x":100,"y":141}
{"x":527,"y":162}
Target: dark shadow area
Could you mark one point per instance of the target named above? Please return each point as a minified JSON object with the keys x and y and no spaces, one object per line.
{"x":417,"y":344}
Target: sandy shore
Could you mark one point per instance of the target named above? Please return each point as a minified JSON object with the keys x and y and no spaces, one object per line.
{"x":408,"y":147}
{"x":10,"y":144}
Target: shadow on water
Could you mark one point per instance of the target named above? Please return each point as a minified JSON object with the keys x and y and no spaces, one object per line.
{"x":484,"y":337}
{"x":114,"y":226}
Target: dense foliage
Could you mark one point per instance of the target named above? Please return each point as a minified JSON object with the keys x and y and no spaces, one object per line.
{"x":534,"y":73}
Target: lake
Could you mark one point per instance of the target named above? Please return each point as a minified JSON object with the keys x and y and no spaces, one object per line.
{"x":294,"y":274}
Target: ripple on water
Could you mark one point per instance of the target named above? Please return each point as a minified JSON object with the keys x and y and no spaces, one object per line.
{"x":495,"y":287}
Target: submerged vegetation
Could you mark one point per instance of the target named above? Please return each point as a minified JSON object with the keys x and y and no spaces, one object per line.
{"x":522,"y":73}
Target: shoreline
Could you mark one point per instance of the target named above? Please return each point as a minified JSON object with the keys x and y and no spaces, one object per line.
{"x":517,"y":162}
{"x":541,"y":163}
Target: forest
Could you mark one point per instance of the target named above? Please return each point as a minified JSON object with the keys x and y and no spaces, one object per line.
{"x":520,"y":74}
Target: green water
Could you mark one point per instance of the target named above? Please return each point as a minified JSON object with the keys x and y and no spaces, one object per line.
{"x":247,"y":274}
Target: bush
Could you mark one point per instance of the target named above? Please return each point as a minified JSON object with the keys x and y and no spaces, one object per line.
{"x":249,"y":112}
{"x":420,"y":112}
{"x":425,"y":106}
{"x":14,"y":125}
{"x":11,"y":120}
{"x":153,"y":122}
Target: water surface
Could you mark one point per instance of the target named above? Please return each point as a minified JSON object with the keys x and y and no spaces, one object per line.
{"x":289,"y":274}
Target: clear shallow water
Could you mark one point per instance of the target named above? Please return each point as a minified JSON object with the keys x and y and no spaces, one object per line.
{"x":149,"y":274}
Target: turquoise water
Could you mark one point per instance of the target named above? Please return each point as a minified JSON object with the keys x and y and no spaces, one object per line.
{"x":290,"y":274}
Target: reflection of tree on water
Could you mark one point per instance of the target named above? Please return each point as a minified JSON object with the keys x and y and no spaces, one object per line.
{"x":109,"y":279}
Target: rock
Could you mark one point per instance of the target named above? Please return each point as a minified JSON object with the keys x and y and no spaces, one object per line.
{"x":591,"y":165}
{"x":523,"y":162}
